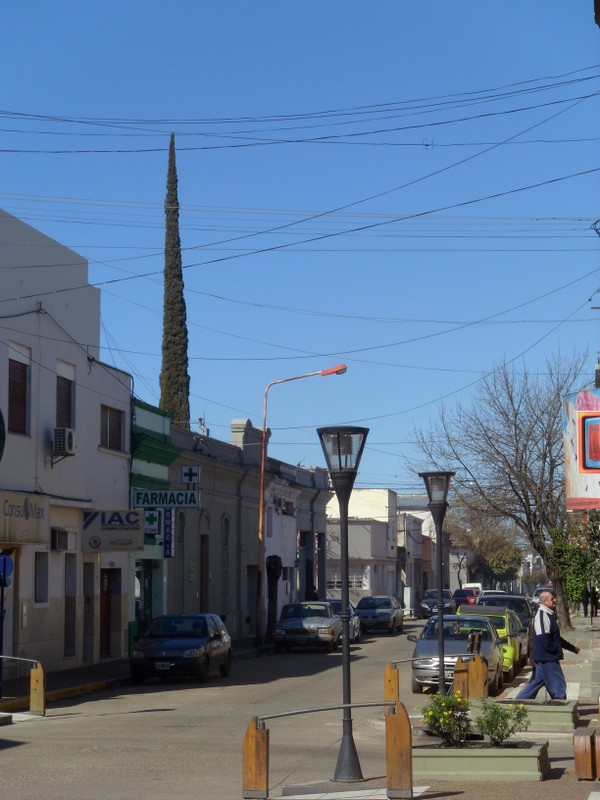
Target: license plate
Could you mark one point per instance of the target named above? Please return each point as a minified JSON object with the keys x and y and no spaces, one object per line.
{"x":162,"y":665}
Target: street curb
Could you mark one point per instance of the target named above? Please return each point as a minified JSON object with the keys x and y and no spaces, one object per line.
{"x":11,"y":704}
{"x":22,"y":703}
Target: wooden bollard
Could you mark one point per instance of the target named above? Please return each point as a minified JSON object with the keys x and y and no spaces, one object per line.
{"x":478,"y":686}
{"x":37,"y":690}
{"x":391,"y":685}
{"x":461,"y":677}
{"x":584,"y":745}
{"x":398,"y":752}
{"x":256,"y":761}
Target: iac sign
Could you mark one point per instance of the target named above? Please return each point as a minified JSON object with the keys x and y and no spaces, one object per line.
{"x":119,"y":518}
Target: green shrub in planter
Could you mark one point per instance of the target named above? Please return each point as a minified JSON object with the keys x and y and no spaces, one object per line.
{"x":500,"y":722}
{"x":447,"y":716}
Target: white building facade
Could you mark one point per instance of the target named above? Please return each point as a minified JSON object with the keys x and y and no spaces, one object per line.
{"x":66,"y":422}
{"x":373,"y":557}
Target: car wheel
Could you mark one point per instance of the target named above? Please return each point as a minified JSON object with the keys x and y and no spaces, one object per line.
{"x":137,"y":680}
{"x":278,"y":648}
{"x":203,"y":671}
{"x":510,"y":674}
{"x":329,"y":647}
{"x":401,"y":628}
{"x":416,"y":687}
{"x":336,"y":644}
{"x":225,"y":668}
{"x":357,"y":636}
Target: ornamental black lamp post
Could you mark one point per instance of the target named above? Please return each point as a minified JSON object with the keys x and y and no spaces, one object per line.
{"x":343,"y":447}
{"x":437,"y":485}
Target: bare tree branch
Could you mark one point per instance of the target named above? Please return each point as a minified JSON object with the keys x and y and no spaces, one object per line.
{"x":507,"y":450}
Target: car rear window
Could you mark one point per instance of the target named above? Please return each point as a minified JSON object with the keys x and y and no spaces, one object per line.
{"x":374,"y":602}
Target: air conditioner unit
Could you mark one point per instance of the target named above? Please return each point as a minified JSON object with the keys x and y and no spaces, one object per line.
{"x":63,"y":443}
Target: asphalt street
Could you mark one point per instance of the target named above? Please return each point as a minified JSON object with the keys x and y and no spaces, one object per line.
{"x":179,"y":739}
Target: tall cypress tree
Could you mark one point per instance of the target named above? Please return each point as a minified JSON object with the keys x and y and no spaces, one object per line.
{"x":174,"y":377}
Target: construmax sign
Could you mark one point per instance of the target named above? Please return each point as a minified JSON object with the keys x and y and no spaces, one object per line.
{"x":24,"y":518}
{"x":112,"y":530}
{"x":164,"y":498}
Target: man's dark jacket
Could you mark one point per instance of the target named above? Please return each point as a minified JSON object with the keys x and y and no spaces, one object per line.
{"x":547,"y":642}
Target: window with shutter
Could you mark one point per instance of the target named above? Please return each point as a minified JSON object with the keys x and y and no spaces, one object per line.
{"x":111,"y":428}
{"x":64,"y":402}
{"x":18,"y":385}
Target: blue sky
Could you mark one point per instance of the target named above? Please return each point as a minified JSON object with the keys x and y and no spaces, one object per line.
{"x":408,"y":188}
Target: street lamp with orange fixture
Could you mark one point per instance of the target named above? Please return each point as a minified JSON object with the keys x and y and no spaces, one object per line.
{"x":339,"y":369}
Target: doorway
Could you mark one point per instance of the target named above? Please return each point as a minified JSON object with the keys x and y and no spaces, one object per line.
{"x":110,"y":612}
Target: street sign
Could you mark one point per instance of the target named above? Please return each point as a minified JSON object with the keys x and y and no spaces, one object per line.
{"x":169,"y":539}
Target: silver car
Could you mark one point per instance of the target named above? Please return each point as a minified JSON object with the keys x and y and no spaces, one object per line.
{"x":310,"y":624}
{"x":380,"y":612}
{"x":354,"y":622}
{"x":426,"y":662}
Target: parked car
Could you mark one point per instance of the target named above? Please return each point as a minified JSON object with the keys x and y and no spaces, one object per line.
{"x":428,"y":605}
{"x":377,"y":612}
{"x":354,"y":622}
{"x":535,"y":597}
{"x":508,"y":625}
{"x":456,"y":630}
{"x":310,"y":624}
{"x":520,"y":604}
{"x":465,"y":596}
{"x":182,"y":645}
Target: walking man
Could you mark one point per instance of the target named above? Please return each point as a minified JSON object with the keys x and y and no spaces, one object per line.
{"x":593,"y":602}
{"x":585,"y":601}
{"x":547,"y":653}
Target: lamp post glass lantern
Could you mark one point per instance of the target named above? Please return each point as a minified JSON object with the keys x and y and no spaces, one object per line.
{"x":343,"y":448}
{"x":437,"y":485}
{"x":339,"y":369}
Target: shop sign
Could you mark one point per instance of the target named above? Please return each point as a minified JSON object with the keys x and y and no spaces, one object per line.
{"x":112,"y":530}
{"x":24,"y":518}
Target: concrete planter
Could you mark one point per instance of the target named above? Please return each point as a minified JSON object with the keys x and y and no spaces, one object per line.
{"x":558,"y":716}
{"x":513,"y":761}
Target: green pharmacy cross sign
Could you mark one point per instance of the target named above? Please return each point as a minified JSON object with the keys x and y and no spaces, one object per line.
{"x":190,"y":474}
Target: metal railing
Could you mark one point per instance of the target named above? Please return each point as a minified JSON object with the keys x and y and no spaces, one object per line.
{"x":37,"y":684}
{"x":398,"y":739}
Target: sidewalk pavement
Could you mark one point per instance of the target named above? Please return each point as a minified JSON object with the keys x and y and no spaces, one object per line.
{"x":582,"y":672}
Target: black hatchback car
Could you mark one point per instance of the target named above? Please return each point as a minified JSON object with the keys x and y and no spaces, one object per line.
{"x":428,"y":605}
{"x":182,"y":645}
